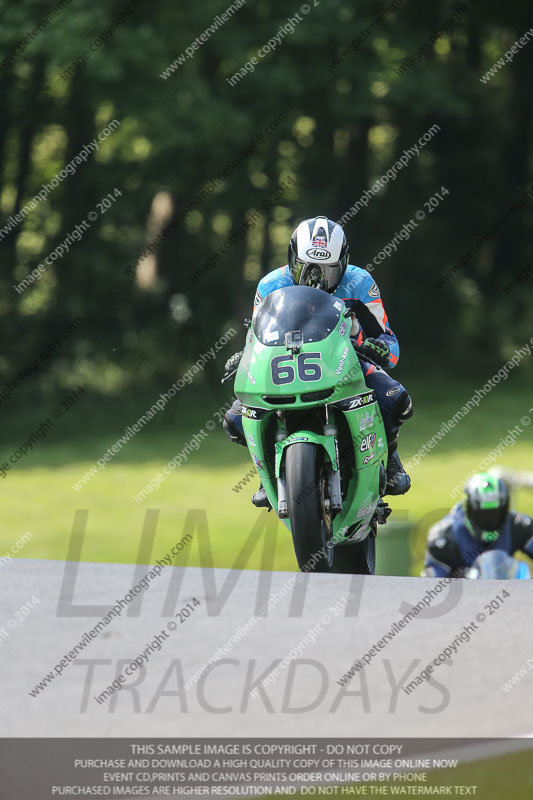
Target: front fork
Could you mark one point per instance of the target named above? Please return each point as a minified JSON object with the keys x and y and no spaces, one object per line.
{"x":281,"y":435}
{"x":334,"y":476}
{"x":328,"y":440}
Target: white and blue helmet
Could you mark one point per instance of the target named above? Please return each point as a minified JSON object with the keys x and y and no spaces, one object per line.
{"x":318,"y":254}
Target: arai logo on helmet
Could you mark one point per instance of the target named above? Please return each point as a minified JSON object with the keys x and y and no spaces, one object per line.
{"x":318,"y":253}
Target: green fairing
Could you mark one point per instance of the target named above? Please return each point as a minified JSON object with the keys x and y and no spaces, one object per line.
{"x":341,"y":371}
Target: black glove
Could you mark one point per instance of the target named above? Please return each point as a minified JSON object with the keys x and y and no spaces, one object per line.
{"x":231,"y":366}
{"x":377,"y":350}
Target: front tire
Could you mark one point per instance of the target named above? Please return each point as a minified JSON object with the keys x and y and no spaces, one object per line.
{"x":356,"y":558}
{"x":311,"y":525}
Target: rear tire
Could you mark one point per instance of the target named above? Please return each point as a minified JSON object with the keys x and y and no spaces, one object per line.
{"x":312,"y":533}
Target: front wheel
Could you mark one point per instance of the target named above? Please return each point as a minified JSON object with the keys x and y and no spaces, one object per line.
{"x":308,"y":507}
{"x":356,"y":558}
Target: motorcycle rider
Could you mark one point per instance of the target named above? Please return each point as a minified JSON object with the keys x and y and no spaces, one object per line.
{"x":480,"y":522}
{"x":318,"y":257}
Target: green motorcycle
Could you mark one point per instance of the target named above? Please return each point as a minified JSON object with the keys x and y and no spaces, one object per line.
{"x":313,"y":428}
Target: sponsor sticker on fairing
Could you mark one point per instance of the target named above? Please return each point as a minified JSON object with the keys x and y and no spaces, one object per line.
{"x":366,"y":510}
{"x":367,"y":420}
{"x":254,"y":413}
{"x":368,"y":442}
{"x":359,"y":401}
{"x":342,"y":361}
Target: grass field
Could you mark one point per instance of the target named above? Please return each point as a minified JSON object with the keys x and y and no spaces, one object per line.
{"x":37,"y":494}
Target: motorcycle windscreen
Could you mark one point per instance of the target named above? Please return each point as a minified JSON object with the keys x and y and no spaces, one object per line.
{"x":312,"y":312}
{"x":497,"y":565}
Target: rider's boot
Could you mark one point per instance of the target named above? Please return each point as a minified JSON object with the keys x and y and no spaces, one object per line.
{"x":260,"y":499}
{"x":398,"y":481}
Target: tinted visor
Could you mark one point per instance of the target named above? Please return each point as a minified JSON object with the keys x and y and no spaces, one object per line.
{"x":319,"y":276}
{"x":491,"y":519}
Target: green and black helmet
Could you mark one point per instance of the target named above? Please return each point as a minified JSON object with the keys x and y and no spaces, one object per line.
{"x":486,"y":506}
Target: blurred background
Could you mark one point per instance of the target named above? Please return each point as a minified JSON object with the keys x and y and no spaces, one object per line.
{"x":203,"y":182}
